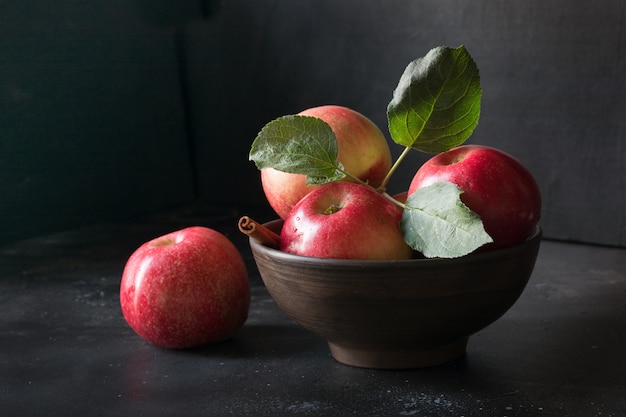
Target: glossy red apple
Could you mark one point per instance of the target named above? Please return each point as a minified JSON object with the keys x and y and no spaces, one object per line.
{"x":495,"y":185}
{"x":184,"y":289}
{"x":345,"y":220}
{"x":363,"y":151}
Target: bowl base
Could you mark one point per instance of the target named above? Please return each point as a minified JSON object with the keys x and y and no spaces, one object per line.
{"x":398,"y":358}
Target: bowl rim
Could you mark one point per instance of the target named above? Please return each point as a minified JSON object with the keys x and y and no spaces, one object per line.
{"x":533,"y":240}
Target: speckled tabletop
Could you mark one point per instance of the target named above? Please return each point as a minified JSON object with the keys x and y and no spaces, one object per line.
{"x":65,"y":349}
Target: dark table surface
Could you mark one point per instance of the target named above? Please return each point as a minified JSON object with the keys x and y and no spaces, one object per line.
{"x":65,"y":349}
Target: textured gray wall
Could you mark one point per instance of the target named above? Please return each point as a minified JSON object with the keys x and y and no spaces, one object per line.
{"x":552,"y":74}
{"x":98,"y":101}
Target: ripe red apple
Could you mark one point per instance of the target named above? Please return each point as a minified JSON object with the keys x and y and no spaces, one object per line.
{"x":495,"y":185}
{"x":363,"y":151}
{"x":345,"y":220}
{"x":184,"y":289}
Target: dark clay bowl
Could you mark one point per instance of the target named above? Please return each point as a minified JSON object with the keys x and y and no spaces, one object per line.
{"x":396,"y":314}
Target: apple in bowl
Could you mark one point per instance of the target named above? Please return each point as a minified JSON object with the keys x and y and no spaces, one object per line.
{"x":344,"y":220}
{"x":494,"y":185}
{"x":363,"y":151}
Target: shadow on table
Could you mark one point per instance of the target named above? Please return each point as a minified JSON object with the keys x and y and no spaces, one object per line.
{"x":264,"y":341}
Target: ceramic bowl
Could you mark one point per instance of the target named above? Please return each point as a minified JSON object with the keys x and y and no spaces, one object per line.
{"x":396,"y":314}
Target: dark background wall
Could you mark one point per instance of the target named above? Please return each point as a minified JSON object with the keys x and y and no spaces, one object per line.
{"x":92,"y":124}
{"x":111,"y":110}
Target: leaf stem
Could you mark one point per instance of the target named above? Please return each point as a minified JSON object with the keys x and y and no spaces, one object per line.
{"x":394,"y":201}
{"x":395,"y":166}
{"x":353,"y":177}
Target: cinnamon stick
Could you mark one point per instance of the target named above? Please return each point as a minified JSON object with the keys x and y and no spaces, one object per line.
{"x":258,"y":232}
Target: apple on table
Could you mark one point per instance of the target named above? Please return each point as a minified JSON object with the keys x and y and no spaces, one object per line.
{"x":363,"y":151}
{"x":184,"y":289}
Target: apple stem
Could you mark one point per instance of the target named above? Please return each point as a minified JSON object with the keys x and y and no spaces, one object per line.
{"x":395,"y":166}
{"x":393,"y":200}
{"x":354,"y":178}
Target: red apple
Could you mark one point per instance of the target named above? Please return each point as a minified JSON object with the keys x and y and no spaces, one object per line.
{"x":495,"y":185}
{"x":186,"y":288}
{"x":346,"y":221}
{"x":363,"y":151}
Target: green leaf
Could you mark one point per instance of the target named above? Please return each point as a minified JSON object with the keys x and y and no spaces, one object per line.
{"x":436,"y":105}
{"x":298,"y":145}
{"x":436,"y":223}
